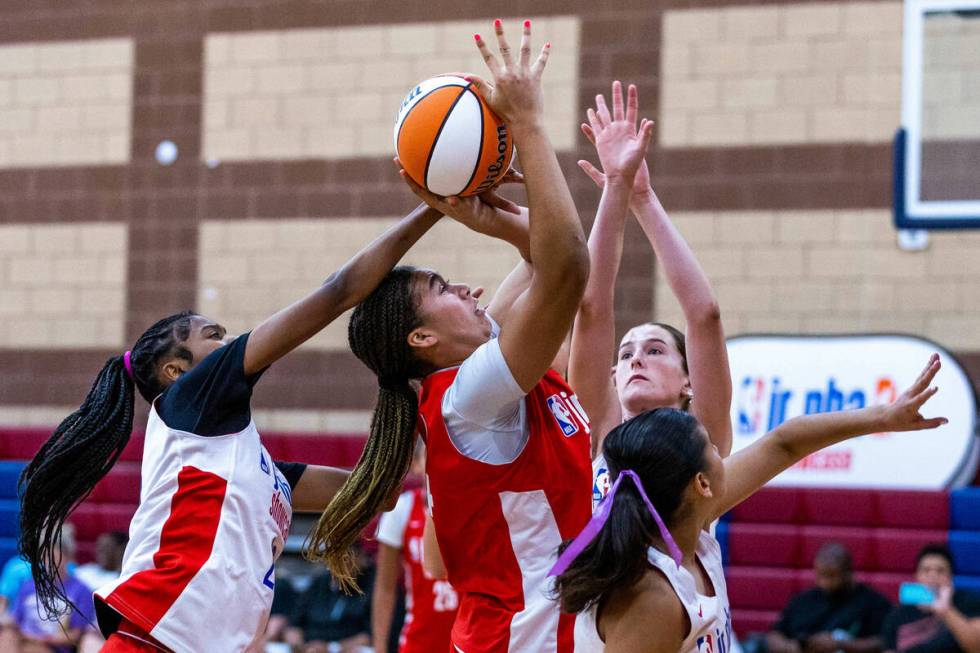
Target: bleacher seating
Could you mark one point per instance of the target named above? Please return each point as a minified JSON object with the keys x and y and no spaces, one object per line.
{"x":770,"y":540}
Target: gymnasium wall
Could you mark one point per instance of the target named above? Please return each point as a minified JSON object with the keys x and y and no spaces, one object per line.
{"x":772,"y":153}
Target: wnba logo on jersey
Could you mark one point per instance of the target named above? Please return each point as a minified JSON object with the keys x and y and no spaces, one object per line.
{"x":568,"y":413}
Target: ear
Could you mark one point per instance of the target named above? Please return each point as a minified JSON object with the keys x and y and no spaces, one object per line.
{"x":687,"y":392}
{"x":702,"y":486}
{"x":422,"y":338}
{"x":173,"y":368}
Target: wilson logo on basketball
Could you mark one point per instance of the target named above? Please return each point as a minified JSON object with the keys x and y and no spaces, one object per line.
{"x":496,"y":168}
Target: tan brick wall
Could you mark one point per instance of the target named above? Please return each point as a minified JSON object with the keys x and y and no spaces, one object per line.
{"x":250,"y":269}
{"x":62,"y":285}
{"x":951,"y":77}
{"x":334,"y":93}
{"x":770,"y":74}
{"x":832,"y":272}
{"x":65,"y":103}
{"x":269,"y":420}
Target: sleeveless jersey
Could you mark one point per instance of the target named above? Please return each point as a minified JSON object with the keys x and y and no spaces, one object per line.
{"x":710,"y":616}
{"x":499,"y":526}
{"x":214,"y":514}
{"x":430,"y":604}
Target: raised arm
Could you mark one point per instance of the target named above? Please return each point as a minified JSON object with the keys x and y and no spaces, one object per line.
{"x":750,"y":468}
{"x":344,"y":289}
{"x":621,"y":149}
{"x":542,"y":315}
{"x":707,"y":354}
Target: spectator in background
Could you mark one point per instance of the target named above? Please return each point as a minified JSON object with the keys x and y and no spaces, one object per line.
{"x":326,"y":620}
{"x":951,"y":624}
{"x":32,"y":632}
{"x":836,"y":615}
{"x":109,"y":550}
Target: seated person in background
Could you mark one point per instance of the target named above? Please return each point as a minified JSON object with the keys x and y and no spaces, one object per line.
{"x":951,"y":624}
{"x":836,"y":615}
{"x":328,"y":620}
{"x":34,"y":633}
{"x":109,"y":550}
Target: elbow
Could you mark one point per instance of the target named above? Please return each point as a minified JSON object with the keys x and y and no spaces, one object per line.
{"x":705,"y":314}
{"x":338,"y":285}
{"x":575,"y":271}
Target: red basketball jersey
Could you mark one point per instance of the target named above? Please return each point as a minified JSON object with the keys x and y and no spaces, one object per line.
{"x":499,"y":526}
{"x":431,"y":604}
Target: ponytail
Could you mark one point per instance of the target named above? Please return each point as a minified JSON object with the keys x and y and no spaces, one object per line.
{"x":379,"y":472}
{"x":616,"y":558}
{"x":81,"y":451}
{"x":378,"y":335}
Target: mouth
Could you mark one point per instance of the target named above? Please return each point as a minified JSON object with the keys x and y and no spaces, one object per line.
{"x":637,"y":377}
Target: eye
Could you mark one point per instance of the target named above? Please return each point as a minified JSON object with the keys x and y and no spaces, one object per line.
{"x":443,"y":287}
{"x":655,"y":351}
{"x":625,"y":356}
{"x":215,"y":335}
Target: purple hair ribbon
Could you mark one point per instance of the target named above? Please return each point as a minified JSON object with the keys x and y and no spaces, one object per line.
{"x":128,"y":364}
{"x":599,"y":519}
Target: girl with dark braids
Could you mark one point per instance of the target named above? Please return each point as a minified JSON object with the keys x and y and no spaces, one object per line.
{"x":508,"y":465}
{"x":214,"y":508}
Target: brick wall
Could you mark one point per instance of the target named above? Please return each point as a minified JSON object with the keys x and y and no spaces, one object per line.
{"x":764,"y":195}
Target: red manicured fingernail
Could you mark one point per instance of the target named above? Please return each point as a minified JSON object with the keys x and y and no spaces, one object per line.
{"x":496,"y":23}
{"x":548,"y":44}
{"x":527,"y":23}
{"x":476,"y":37}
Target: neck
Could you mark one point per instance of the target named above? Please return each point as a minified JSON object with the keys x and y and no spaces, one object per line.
{"x":630,"y":414}
{"x":685,"y":533}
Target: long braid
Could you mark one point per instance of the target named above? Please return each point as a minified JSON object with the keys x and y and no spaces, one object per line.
{"x":82,"y":450}
{"x":378,"y":335}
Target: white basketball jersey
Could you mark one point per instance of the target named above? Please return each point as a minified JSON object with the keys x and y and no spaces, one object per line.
{"x":710,"y":616}
{"x":214,"y":514}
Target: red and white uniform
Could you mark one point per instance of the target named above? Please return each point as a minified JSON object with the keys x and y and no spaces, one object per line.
{"x":198,"y":571}
{"x":430,"y":604}
{"x":509,"y":478}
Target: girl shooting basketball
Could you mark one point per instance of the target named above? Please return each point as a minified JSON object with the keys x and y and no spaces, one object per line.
{"x":214,"y":508}
{"x":656,"y":365}
{"x":645,"y":571}
{"x":508,"y":445}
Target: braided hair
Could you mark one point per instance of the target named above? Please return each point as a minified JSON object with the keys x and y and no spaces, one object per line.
{"x":378,"y":335}
{"x":84,"y":447}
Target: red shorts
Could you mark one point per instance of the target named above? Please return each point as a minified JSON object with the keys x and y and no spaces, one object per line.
{"x":130,"y":638}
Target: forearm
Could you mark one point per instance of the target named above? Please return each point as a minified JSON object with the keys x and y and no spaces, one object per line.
{"x":432,"y":560}
{"x":557,"y":243}
{"x":362,"y":274}
{"x":801,"y":436}
{"x":862,"y":645}
{"x":683,"y":272}
{"x":382,"y":610}
{"x":966,"y":631}
{"x":593,"y":337}
{"x":776,"y":642}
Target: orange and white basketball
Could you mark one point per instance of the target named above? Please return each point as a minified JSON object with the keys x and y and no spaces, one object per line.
{"x":449,"y":140}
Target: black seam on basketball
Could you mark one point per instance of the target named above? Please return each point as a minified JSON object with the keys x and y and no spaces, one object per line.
{"x":435,"y":139}
{"x":412,"y":108}
{"x":479,"y":151}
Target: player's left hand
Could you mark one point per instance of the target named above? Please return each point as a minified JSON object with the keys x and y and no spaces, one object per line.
{"x":903,"y":414}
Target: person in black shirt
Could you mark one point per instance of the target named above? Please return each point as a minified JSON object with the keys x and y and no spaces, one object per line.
{"x":951,"y":624}
{"x":836,"y":615}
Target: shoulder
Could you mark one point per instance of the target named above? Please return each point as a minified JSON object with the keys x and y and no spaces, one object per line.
{"x":968,"y":602}
{"x":649,"y":613}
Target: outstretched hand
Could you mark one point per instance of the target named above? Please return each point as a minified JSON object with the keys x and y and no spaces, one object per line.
{"x":515,"y":94}
{"x":620,"y":144}
{"x":903,"y":414}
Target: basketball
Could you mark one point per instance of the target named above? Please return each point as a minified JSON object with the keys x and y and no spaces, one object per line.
{"x":449,"y":140}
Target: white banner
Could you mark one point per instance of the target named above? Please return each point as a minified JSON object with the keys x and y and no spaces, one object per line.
{"x":776,"y":378}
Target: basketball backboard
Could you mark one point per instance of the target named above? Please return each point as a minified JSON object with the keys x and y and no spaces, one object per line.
{"x":937,"y":148}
